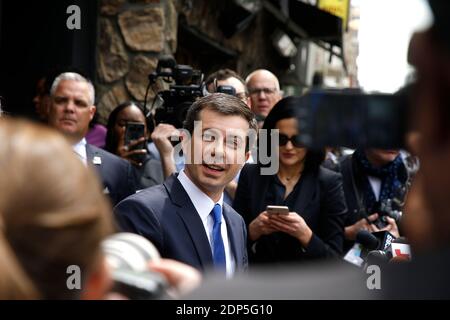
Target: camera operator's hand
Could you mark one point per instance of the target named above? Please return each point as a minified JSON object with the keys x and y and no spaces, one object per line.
{"x":127,"y":152}
{"x":260,"y":226}
{"x":294,"y":225}
{"x":391,"y":227}
{"x":161,"y":138}
{"x":363,"y":224}
{"x":182,"y":277}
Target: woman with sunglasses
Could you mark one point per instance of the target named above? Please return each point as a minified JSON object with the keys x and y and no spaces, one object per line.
{"x":313,"y":228}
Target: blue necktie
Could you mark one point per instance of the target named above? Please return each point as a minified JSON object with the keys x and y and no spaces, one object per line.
{"x":218,"y":248}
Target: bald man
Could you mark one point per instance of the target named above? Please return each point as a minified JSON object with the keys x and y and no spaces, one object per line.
{"x":264,"y":90}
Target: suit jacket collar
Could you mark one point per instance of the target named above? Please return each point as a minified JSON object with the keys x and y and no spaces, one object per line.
{"x":91,"y":153}
{"x":194,"y":225}
{"x":232,"y":227}
{"x":191,"y":219}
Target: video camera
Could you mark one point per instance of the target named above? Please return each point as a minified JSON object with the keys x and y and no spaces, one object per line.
{"x":188,"y":87}
{"x":351,"y":118}
{"x":180,"y":96}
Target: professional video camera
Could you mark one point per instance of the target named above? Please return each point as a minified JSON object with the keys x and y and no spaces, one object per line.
{"x":186,"y":86}
{"x":180,"y":96}
{"x":352,"y":118}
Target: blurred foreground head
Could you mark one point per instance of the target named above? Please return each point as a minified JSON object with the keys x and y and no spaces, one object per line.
{"x":53,"y":213}
{"x":429,"y":52}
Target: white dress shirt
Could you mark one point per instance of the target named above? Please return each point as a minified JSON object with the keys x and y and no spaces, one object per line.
{"x":204,"y":205}
{"x":80,"y":150}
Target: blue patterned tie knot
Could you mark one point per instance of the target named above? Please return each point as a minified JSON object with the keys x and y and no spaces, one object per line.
{"x":218,"y":247}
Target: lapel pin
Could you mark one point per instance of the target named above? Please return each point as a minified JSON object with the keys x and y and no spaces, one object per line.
{"x":97,"y":160}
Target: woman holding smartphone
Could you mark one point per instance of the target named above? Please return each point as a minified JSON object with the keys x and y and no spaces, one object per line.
{"x":313,"y":227}
{"x":127,"y":138}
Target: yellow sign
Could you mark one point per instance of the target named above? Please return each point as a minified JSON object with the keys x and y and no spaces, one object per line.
{"x":338,"y":8}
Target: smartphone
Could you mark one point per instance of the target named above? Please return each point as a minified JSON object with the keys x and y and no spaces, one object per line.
{"x":277,"y":210}
{"x":133,"y":132}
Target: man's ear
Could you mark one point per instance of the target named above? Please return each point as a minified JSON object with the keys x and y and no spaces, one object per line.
{"x":185,"y":139}
{"x":247,"y":155}
{"x":92,"y":112}
{"x":99,"y":282}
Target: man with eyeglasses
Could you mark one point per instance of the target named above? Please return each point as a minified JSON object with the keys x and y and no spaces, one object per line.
{"x":264,"y":90}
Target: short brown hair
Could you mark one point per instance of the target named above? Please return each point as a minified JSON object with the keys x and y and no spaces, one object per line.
{"x":55,"y":214}
{"x":221,"y":103}
{"x":223,"y":74}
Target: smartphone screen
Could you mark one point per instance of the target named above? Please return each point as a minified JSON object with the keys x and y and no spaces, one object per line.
{"x":133,"y":132}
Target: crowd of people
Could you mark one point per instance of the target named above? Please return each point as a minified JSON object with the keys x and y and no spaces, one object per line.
{"x":67,"y":185}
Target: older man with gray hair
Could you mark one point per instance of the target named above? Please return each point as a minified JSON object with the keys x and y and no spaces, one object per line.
{"x":71,"y":109}
{"x":264,"y":90}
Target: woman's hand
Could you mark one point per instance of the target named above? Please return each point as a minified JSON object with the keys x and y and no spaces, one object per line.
{"x":294,"y":225}
{"x":127,"y":152}
{"x":260,"y":226}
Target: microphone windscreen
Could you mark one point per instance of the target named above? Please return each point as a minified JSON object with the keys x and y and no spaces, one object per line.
{"x":377,"y":257}
{"x":129,"y":251}
{"x":367,"y":239}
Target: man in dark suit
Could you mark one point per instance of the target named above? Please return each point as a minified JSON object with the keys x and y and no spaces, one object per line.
{"x":183,"y":217}
{"x":71,"y":110}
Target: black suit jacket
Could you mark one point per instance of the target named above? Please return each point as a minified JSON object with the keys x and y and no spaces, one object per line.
{"x":166,"y":216}
{"x":320,"y":202}
{"x":115,"y":173}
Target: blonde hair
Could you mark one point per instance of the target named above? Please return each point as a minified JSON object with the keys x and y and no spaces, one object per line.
{"x":54,"y":212}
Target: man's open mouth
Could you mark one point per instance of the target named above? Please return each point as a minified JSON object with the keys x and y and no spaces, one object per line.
{"x":214,"y":167}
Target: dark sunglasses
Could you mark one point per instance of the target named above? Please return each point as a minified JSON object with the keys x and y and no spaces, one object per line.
{"x":295,"y":140}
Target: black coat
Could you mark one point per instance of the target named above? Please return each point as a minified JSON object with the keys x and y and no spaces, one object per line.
{"x":320,"y":202}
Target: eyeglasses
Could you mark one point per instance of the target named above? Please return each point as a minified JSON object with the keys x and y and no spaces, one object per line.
{"x":295,"y":140}
{"x":241,"y":95}
{"x":258,"y":91}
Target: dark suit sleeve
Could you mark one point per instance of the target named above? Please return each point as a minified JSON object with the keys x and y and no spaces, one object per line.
{"x":134,"y":216}
{"x":328,"y":241}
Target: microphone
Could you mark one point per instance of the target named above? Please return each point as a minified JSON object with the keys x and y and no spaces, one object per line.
{"x":367,"y":239}
{"x":128,"y":255}
{"x":364,"y":243}
{"x":377,"y":257}
{"x":400,"y":250}
{"x":384,"y":238}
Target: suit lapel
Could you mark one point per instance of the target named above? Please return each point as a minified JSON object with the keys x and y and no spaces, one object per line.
{"x":191,"y":219}
{"x":93,"y":157}
{"x":232,"y":236}
{"x":305,"y":193}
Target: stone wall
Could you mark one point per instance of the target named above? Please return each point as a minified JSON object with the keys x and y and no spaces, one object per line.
{"x":132,"y":35}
